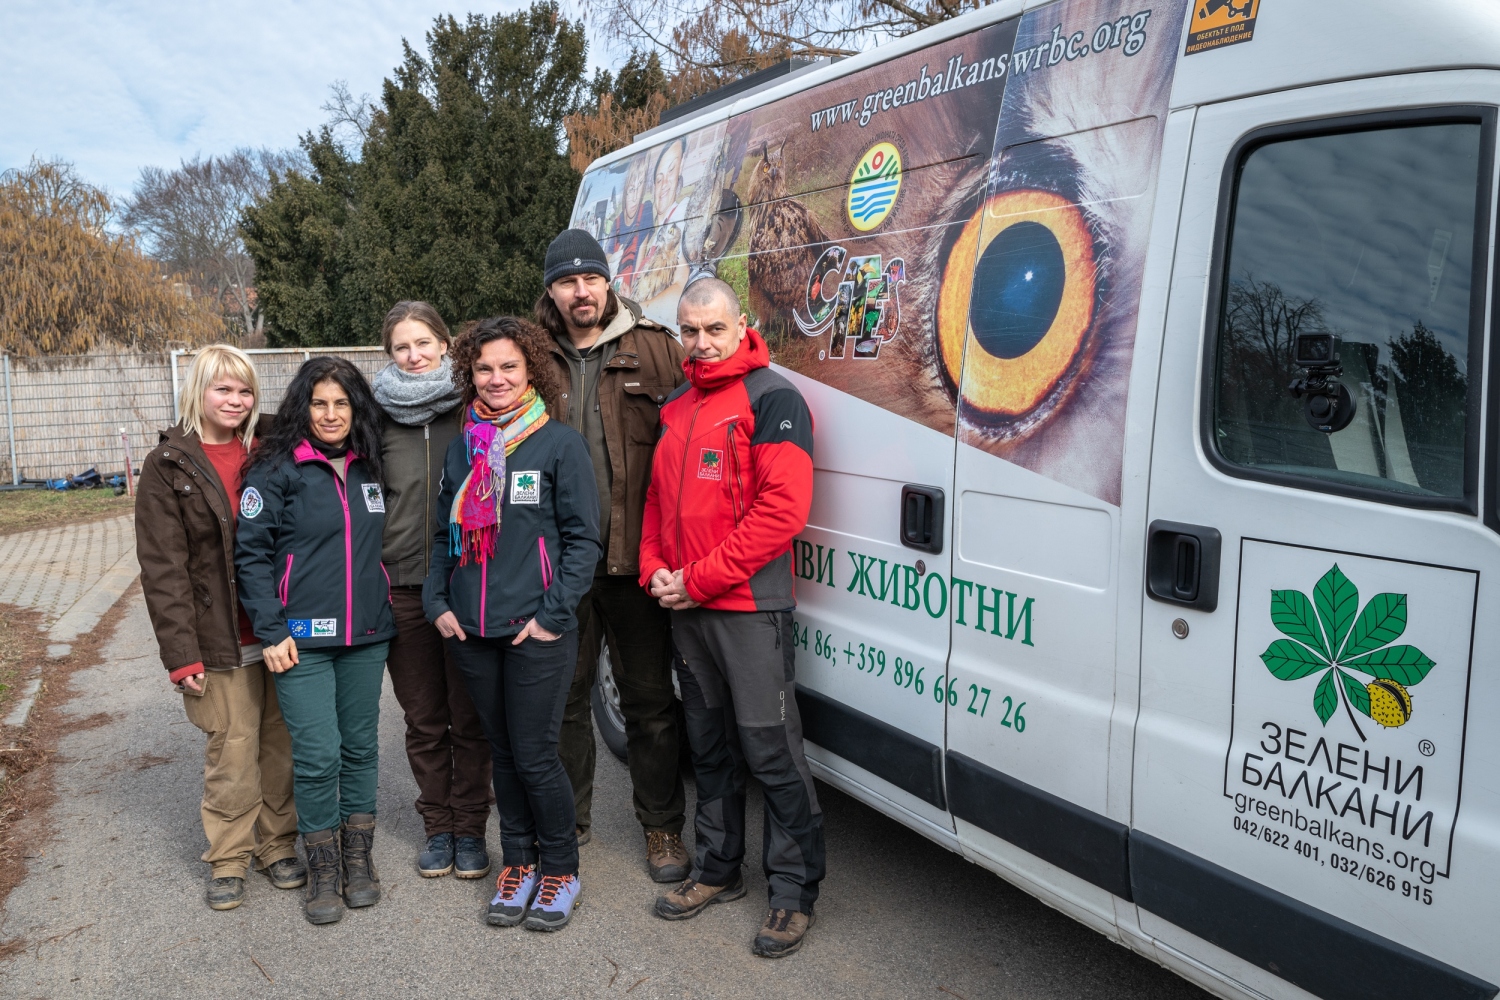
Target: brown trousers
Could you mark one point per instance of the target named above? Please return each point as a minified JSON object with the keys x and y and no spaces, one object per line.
{"x":445,"y":743}
{"x":247,"y":770}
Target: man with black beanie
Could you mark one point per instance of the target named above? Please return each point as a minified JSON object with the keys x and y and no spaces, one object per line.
{"x":618,"y":367}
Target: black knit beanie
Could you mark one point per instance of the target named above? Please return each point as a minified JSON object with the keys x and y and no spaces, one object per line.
{"x":574,"y":251}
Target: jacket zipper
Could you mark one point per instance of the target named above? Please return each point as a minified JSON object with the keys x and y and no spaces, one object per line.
{"x":338,"y":483}
{"x":484,"y":585}
{"x":682,"y":479}
{"x":733,"y":456}
{"x":426,"y":502}
{"x":286,"y":580}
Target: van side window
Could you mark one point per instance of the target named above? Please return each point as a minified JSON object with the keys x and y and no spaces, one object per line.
{"x":1369,"y":236}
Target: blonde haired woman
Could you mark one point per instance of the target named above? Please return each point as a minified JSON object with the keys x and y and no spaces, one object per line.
{"x":185,"y":513}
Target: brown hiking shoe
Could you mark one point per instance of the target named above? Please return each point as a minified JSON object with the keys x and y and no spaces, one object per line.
{"x":689,"y":898}
{"x":783,"y":933}
{"x":666,"y":858}
{"x":361,"y":881}
{"x":323,"y":904}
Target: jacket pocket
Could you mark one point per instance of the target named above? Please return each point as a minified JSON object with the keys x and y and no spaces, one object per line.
{"x":284,"y":588}
{"x":641,"y":412}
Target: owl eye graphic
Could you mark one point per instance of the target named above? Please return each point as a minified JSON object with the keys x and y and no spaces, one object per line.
{"x":1019,"y":296}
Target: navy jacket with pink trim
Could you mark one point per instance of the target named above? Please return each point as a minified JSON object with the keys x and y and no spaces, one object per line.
{"x":548,"y":547}
{"x":307,"y":553}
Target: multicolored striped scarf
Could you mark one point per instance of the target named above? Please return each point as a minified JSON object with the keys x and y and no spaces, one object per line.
{"x":489,"y":436}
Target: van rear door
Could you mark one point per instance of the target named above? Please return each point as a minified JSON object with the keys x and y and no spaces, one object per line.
{"x":1313,"y":801}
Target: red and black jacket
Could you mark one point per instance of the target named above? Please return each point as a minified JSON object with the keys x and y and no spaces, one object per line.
{"x":731,"y":483}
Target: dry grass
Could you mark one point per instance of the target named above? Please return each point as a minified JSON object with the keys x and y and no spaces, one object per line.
{"x":23,"y":510}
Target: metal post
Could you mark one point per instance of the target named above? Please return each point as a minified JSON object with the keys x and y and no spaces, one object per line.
{"x":10,"y":425}
{"x":176,"y":416}
{"x":129,"y":472}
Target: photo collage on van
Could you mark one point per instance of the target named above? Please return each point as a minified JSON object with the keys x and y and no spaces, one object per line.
{"x":956,"y":235}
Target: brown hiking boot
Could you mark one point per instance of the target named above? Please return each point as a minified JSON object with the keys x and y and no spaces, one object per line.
{"x":689,"y":898}
{"x":783,"y":933}
{"x":323,"y":904}
{"x":666,"y":858}
{"x":361,"y":881}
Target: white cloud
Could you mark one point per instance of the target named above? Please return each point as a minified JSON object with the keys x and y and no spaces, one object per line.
{"x":115,"y":85}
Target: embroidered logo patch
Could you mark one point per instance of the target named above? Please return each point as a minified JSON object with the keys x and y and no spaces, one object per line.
{"x":316,"y":628}
{"x":251,"y":503}
{"x":374,"y":502}
{"x":525,"y":487}
{"x":710,"y":464}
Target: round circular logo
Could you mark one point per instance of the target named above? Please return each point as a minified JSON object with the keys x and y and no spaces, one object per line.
{"x":874,"y":186}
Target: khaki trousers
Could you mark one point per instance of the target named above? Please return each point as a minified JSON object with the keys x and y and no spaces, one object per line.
{"x":248,"y":810}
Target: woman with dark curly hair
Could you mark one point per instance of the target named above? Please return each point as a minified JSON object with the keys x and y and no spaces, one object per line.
{"x":509,"y":567}
{"x":307,"y":554}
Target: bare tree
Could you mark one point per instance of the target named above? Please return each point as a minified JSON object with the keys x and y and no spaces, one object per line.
{"x":707,"y":44}
{"x":188,"y":219}
{"x":348,"y":117}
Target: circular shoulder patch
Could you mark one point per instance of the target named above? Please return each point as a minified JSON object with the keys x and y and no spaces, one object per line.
{"x":251,"y":503}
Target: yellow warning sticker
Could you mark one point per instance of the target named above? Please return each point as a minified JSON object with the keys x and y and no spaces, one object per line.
{"x":1216,"y":23}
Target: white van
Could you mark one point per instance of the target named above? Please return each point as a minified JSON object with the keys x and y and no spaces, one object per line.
{"x":1156,"y":496}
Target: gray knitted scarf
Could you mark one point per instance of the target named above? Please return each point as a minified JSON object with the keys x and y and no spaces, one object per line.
{"x":415,"y":400}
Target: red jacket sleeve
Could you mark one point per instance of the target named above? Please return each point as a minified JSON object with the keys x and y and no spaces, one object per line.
{"x":781,"y":476}
{"x":651,"y":558}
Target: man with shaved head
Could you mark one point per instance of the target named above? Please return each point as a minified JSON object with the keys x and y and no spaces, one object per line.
{"x":731,"y":485}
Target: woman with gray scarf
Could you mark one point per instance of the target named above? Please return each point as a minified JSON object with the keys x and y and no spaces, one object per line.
{"x":447,"y":749}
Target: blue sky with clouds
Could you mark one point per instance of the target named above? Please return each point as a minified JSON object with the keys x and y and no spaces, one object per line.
{"x":115,"y":85}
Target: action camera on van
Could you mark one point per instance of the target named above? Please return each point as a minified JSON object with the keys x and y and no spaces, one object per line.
{"x":1326,"y":403}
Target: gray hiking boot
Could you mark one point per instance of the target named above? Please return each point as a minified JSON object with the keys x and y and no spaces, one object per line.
{"x":225,"y":893}
{"x":323,"y":904}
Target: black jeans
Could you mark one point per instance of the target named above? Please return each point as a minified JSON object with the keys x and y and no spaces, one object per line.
{"x":740,"y":698}
{"x":519,"y":692}
{"x":638,"y":631}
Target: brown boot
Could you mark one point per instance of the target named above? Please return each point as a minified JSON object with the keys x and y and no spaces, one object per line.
{"x":666,"y":858}
{"x":361,"y":883}
{"x":689,"y":898}
{"x":783,"y":933}
{"x":323,"y":904}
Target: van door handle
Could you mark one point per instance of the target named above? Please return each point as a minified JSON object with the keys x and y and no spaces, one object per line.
{"x":922,"y":518}
{"x":1182,"y":564}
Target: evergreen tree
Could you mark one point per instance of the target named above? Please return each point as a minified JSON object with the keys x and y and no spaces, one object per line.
{"x":458,"y":188}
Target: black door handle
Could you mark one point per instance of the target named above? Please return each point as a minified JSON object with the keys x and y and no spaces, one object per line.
{"x":922,"y":518}
{"x":1182,"y":564}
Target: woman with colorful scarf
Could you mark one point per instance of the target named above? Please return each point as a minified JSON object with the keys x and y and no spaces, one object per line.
{"x":509,"y":567}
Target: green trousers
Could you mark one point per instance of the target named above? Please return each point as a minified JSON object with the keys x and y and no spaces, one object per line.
{"x":331,"y":703}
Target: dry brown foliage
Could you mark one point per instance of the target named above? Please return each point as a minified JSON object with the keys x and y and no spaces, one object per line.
{"x":70,"y":286}
{"x":591,"y":135}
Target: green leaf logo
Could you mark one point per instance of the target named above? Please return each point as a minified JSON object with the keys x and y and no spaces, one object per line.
{"x":526,"y":481}
{"x":1324,"y":635}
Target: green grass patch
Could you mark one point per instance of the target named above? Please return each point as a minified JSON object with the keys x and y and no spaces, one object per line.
{"x":24,"y":510}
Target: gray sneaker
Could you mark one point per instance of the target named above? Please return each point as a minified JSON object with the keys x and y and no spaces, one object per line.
{"x":225,"y":893}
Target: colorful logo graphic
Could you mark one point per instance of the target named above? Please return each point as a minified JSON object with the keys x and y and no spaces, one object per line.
{"x":374,"y":501}
{"x":710,"y":464}
{"x":1327,"y":637}
{"x":251,"y":503}
{"x":874,"y":186}
{"x":525,"y":487}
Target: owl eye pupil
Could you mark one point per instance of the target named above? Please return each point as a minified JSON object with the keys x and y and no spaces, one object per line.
{"x":1018,"y":287}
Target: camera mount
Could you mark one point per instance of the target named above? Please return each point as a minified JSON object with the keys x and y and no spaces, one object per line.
{"x":1326,"y":403}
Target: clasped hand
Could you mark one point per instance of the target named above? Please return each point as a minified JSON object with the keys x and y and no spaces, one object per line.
{"x":670,"y":591}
